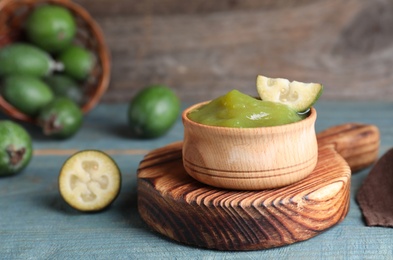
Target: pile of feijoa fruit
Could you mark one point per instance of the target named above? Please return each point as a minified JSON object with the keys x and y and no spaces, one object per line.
{"x":42,"y":76}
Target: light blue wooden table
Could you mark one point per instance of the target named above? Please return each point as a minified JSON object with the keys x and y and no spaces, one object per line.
{"x":35,"y":223}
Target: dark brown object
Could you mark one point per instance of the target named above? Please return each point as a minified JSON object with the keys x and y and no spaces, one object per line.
{"x":13,"y":14}
{"x":179,"y":207}
{"x":375,"y":196}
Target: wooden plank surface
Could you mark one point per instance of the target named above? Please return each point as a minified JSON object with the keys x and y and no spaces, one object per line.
{"x":204,"y":48}
{"x":36,"y":224}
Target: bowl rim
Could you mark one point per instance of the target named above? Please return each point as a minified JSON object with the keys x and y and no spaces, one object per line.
{"x":278,"y":128}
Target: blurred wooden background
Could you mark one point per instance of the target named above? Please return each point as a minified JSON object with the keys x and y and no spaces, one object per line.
{"x":203,"y":49}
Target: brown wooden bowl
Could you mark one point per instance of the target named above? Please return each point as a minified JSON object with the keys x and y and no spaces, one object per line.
{"x":249,"y":158}
{"x":13,"y":14}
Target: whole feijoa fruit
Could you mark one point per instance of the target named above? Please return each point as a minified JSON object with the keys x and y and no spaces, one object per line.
{"x":64,"y":86}
{"x":61,"y":118}
{"x":78,"y":62}
{"x":26,"y":93}
{"x":15,"y":148}
{"x":153,"y":111}
{"x":26,"y":59}
{"x":51,"y":27}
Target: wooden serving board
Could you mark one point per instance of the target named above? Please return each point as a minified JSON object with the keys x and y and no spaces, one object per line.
{"x":185,"y":210}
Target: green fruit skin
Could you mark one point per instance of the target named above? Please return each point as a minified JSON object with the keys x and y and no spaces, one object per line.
{"x":24,"y":59}
{"x":78,"y":62}
{"x":61,"y":118}
{"x":13,"y":135}
{"x":51,"y":27}
{"x":28,"y":94}
{"x":153,"y":111}
{"x":64,"y":86}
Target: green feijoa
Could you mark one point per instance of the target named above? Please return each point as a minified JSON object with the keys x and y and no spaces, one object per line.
{"x":26,"y":93}
{"x":78,"y":62}
{"x":64,"y":86}
{"x":26,"y":59}
{"x":61,"y":118}
{"x":15,"y":148}
{"x":51,"y":27}
{"x":153,"y":111}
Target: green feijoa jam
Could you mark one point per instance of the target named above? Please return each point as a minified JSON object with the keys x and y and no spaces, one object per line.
{"x":61,"y":118}
{"x":153,"y":111}
{"x":26,"y":93}
{"x":15,"y":148}
{"x":236,"y":109}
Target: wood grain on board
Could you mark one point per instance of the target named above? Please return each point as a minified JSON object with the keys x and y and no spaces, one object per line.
{"x":176,"y":205}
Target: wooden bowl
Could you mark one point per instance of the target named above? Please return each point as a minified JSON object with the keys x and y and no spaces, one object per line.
{"x":249,"y":158}
{"x":13,"y":14}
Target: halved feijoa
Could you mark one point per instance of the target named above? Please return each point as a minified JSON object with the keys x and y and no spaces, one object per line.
{"x":89,"y":180}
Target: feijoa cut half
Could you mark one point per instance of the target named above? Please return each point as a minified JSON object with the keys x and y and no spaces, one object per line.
{"x":89,"y":180}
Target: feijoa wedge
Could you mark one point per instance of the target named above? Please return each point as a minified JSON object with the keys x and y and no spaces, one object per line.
{"x":297,"y":95}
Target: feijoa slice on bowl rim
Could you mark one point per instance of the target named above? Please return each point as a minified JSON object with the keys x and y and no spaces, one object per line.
{"x":297,"y":95}
{"x":89,"y":180}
